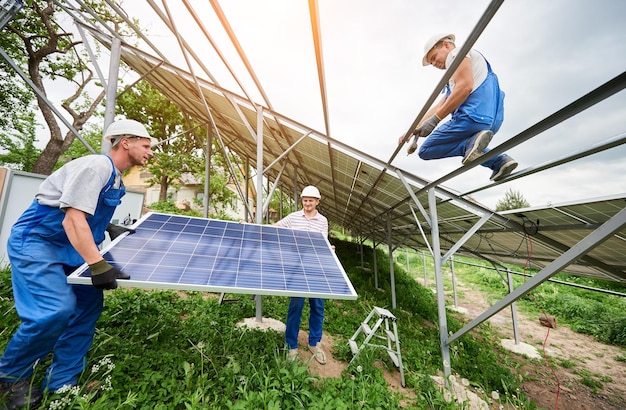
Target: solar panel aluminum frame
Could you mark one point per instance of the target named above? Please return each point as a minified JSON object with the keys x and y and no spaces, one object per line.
{"x":302,"y":275}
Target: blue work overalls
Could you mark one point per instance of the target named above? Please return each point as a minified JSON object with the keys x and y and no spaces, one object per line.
{"x":482,"y":110}
{"x":55,"y":315}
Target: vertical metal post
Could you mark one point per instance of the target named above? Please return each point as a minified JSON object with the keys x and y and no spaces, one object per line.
{"x":391,"y":271}
{"x":259,"y":190}
{"x":246,"y":211}
{"x":453,"y":281}
{"x":111,"y":94}
{"x":513,"y":308}
{"x":425,"y":272}
{"x":441,"y":302}
{"x":207,"y":172}
{"x":295,"y":192}
{"x":361,"y":251}
{"x":375,"y":268}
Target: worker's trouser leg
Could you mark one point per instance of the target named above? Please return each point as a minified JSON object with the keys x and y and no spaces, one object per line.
{"x":68,"y":359}
{"x":294,"y":316}
{"x":450,"y":140}
{"x":316,"y":319}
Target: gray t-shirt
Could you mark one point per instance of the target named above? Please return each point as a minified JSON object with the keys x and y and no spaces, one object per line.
{"x":78,"y":183}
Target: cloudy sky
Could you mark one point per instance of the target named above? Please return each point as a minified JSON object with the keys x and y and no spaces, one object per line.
{"x":546,"y":54}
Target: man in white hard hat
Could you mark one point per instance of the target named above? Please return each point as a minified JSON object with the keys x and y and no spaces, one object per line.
{"x":60,"y":231}
{"x":307,"y":219}
{"x":476,"y":102}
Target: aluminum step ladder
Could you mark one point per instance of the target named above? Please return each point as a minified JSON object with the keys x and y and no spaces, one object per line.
{"x":388,"y":333}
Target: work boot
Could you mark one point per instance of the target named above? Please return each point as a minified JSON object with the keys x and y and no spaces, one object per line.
{"x":292,"y":354}
{"x":19,"y":394}
{"x":476,"y":145}
{"x":504,"y":169}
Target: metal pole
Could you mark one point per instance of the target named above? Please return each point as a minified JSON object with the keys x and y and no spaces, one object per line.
{"x":513,"y":308}
{"x":246,"y":211}
{"x":111,"y":94}
{"x":361,"y":251}
{"x":441,"y":302}
{"x":375,"y":268}
{"x":207,"y":172}
{"x":391,"y":270}
{"x":453,"y":281}
{"x":259,"y":191}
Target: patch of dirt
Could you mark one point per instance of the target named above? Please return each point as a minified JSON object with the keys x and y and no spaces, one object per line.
{"x":558,"y":387}
{"x":549,"y":387}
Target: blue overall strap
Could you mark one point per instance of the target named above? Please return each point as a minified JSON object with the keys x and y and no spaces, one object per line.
{"x":111,"y":180}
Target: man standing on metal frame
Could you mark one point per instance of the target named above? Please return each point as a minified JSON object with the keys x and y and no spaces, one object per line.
{"x":307,"y":219}
{"x":476,"y":102}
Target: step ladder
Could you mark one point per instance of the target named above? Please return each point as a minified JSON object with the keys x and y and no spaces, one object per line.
{"x":377,"y":332}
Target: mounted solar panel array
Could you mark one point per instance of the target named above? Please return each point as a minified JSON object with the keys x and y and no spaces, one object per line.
{"x":186,"y":253}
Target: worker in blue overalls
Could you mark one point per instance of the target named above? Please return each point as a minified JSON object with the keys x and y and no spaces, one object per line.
{"x":474,"y":99}
{"x":60,"y":231}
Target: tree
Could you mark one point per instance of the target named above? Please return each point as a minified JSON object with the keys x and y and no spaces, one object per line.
{"x":178,"y":157}
{"x":17,"y":121}
{"x":512,"y":200}
{"x":18,"y":142}
{"x":45,"y":50}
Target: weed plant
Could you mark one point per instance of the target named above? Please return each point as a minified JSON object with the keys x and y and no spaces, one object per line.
{"x":157,"y":349}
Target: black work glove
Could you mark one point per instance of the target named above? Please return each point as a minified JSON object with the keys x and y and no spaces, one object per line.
{"x":104,"y":276}
{"x":116,"y":230}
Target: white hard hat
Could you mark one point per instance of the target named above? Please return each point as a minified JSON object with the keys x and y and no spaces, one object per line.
{"x":121,"y":128}
{"x":430,"y":43}
{"x":310,"y":191}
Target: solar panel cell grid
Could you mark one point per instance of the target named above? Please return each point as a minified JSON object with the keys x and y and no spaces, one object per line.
{"x":177,"y":252}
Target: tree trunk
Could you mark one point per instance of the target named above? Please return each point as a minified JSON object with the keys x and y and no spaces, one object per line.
{"x":164,"y":185}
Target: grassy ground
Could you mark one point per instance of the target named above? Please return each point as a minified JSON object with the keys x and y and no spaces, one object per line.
{"x":164,"y":350}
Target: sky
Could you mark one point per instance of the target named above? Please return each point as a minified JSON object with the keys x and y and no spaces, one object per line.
{"x":545,"y":53}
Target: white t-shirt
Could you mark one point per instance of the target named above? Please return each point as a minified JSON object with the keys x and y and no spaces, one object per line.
{"x":78,"y":183}
{"x":479,"y":66}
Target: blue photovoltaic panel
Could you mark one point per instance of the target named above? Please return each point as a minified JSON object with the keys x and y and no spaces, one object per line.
{"x":179,"y":252}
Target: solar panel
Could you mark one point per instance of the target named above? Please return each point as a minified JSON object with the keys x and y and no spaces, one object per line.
{"x":187,"y":253}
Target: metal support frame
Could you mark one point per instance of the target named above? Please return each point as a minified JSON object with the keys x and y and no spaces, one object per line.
{"x":207,"y":171}
{"x":259,"y":191}
{"x":513,"y":308}
{"x":456,"y":302}
{"x":441,"y":302}
{"x":375,"y":266}
{"x":391,"y":270}
{"x":111,"y":92}
{"x":581,"y":248}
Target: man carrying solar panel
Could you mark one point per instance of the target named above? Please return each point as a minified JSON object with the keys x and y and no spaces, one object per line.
{"x":306,"y":219}
{"x":59,"y":232}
